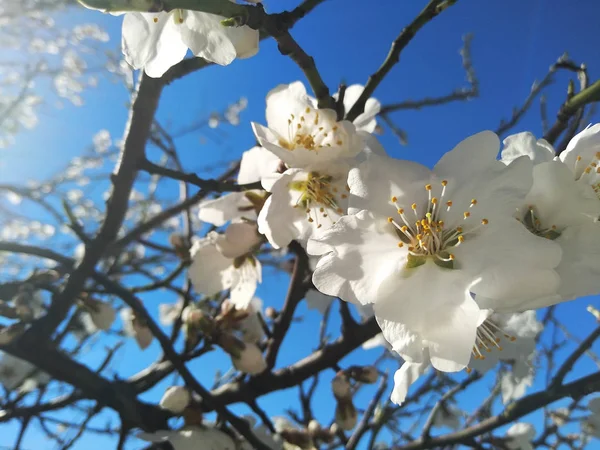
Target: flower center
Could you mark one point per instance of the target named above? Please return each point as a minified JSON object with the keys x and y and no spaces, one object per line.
{"x":319,"y":196}
{"x":428,"y":236}
{"x":311,"y":131}
{"x":489,"y":336}
{"x":534,"y":225}
{"x":592,"y":167}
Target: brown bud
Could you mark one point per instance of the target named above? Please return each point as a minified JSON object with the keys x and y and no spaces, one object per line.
{"x":364,"y":374}
{"x":181,"y":246}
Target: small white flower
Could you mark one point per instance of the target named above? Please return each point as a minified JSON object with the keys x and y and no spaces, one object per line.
{"x":250,"y":360}
{"x":211,"y":272}
{"x":157,"y":41}
{"x":176,"y":399}
{"x":134,"y":327}
{"x":448,"y":416}
{"x":301,"y":135}
{"x":192,"y":438}
{"x":421,"y":242}
{"x":519,"y":436}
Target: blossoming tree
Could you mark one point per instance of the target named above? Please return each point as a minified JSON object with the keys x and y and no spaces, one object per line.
{"x":454,"y":272}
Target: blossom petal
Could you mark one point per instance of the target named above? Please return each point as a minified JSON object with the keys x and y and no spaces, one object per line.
{"x":404,"y":377}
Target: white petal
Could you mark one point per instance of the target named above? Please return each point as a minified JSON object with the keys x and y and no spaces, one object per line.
{"x":170,"y":50}
{"x":356,"y":257}
{"x":243,"y":282}
{"x":585,"y":144}
{"x":404,"y":378}
{"x":209,"y":269}
{"x":526,"y":144}
{"x":225,"y":208}
{"x":470,"y":156}
{"x":140,"y":36}
{"x":375,"y":181}
{"x":282,"y":101}
{"x":256,"y":163}
{"x":239,"y":239}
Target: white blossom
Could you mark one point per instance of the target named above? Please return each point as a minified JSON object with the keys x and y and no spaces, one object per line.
{"x":169,"y":312}
{"x":420,"y":276}
{"x":157,"y":41}
{"x":211,"y":272}
{"x":519,"y":436}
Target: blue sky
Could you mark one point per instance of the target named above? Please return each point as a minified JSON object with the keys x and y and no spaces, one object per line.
{"x":515,"y":42}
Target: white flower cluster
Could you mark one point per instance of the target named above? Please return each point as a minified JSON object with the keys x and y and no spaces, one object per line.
{"x":452,"y":261}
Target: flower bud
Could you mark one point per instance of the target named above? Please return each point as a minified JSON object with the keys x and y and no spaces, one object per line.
{"x":195,"y":318}
{"x":346,"y":415}
{"x":271,"y":313}
{"x":180,"y":245}
{"x":250,"y":360}
{"x":298,"y":438}
{"x":231,"y":344}
{"x":313,"y":427}
{"x":341,"y":386}
{"x":334,"y":428}
{"x":175,"y":399}
{"x":365,"y":374}
{"x":102,"y":314}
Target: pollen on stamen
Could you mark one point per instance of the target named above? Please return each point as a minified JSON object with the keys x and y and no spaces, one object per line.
{"x":461,"y":239}
{"x":434,"y":201}
{"x":449,"y":203}
{"x":427,"y":187}
{"x":307,"y":110}
{"x":466,"y":214}
{"x":339,"y":142}
{"x":473,"y":202}
{"x":444,"y":183}
{"x":484,"y":221}
{"x":414,"y":206}
{"x":451,"y":257}
{"x":390,"y":219}
{"x":588,"y":169}
{"x":578,"y":158}
{"x":468,"y":370}
{"x":400,"y":244}
{"x":400,"y":210}
{"x":155,"y":20}
{"x":344,"y":196}
{"x":394,"y":199}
